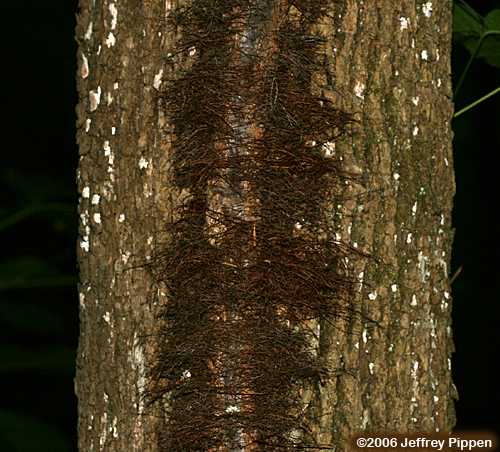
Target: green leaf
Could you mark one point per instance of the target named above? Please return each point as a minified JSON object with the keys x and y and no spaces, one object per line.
{"x":492,"y":20}
{"x":468,"y":25}
{"x":22,"y":433}
{"x":490,"y":50}
{"x":43,"y":359}
{"x":472,"y":30}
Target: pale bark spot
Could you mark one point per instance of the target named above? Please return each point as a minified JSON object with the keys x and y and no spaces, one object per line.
{"x":143,"y":163}
{"x":95,"y":98}
{"x":85,"y":67}
{"x":88,"y":33}
{"x":427,"y":9}
{"x":110,"y":40}
{"x":114,"y":15}
{"x":359,"y":90}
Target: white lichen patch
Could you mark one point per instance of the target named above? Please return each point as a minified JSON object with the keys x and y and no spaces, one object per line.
{"x":415,"y":100}
{"x":86,"y":192}
{"x":87,"y":124}
{"x":97,"y":218}
{"x":396,"y":176}
{"x":85,"y":245}
{"x":424,"y":55}
{"x":414,"y":208}
{"x":403,"y":23}
{"x":139,"y":362}
{"x":84,"y":218}
{"x":126,"y":256}
{"x":95,"y":199}
{"x":84,"y":71}
{"x":104,"y":432}
{"x":114,"y":428}
{"x":121,"y":218}
{"x":365,"y":419}
{"x":232,"y":409}
{"x":110,"y":40}
{"x":115,"y":85}
{"x":192,"y":51}
{"x":95,"y":98}
{"x":88,"y":33}
{"x":394,"y":288}
{"x":364,"y":335}
{"x":158,"y":79}
{"x":359,"y":90}
{"x":415,"y":131}
{"x":409,"y":238}
{"x":329,"y":148}
{"x":371,"y":367}
{"x":107,"y":317}
{"x":143,"y":163}
{"x":114,"y":15}
{"x":109,"y":98}
{"x":427,"y":9}
{"x":372,"y":296}
{"x":413,"y":300}
{"x":422,"y":266}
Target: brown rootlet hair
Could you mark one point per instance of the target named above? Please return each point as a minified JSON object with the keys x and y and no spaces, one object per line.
{"x":251,"y":265}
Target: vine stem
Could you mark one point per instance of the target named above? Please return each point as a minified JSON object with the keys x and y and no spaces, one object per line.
{"x":477,"y":102}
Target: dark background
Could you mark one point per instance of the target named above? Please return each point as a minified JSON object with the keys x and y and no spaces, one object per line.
{"x":38,"y":227}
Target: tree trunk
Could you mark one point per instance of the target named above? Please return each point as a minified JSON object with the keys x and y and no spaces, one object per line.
{"x":385,"y":365}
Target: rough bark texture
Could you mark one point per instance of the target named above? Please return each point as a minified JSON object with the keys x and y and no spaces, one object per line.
{"x":391,"y":65}
{"x":387,"y":64}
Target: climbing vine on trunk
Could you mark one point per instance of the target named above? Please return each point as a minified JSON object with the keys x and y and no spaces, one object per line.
{"x":252,"y":264}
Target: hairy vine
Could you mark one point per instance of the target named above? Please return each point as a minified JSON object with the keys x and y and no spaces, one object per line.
{"x":252,"y":266}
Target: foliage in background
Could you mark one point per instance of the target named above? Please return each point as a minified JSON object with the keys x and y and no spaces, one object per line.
{"x":481,"y":37}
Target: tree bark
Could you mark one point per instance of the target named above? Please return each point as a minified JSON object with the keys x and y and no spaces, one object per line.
{"x":389,"y":365}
